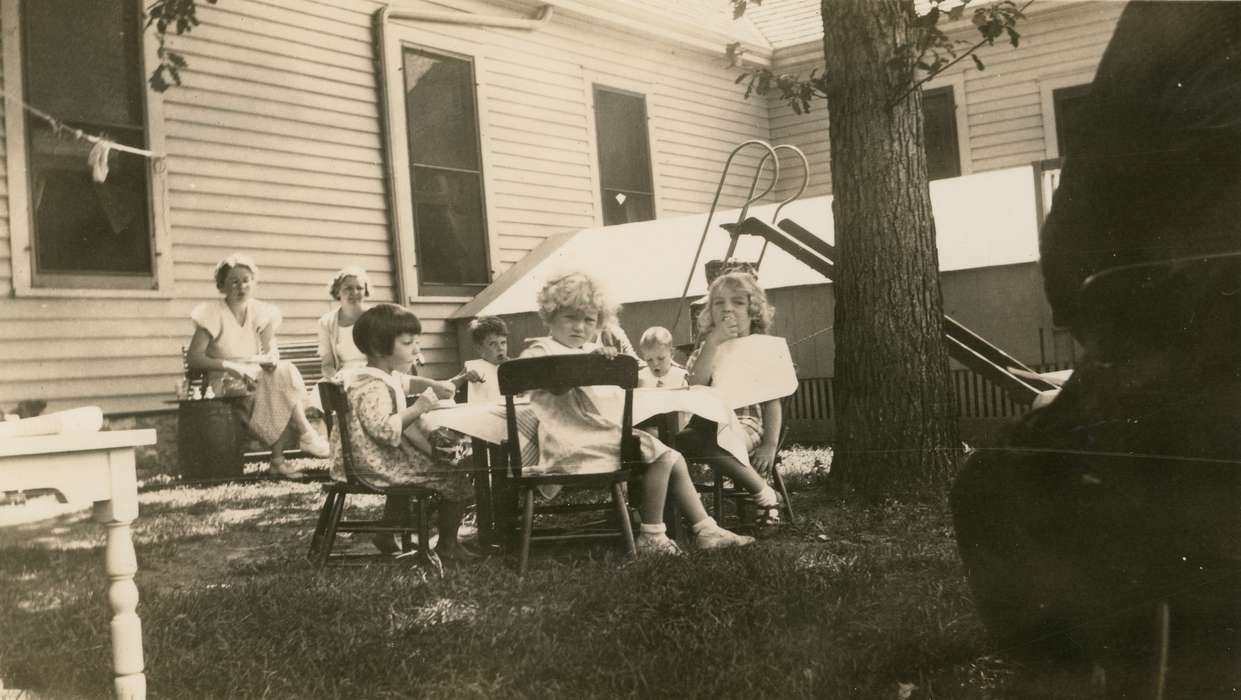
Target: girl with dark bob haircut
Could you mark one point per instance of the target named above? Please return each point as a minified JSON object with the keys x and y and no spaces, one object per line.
{"x":375,"y":330}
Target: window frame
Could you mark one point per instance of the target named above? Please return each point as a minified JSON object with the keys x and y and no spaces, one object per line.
{"x":590,"y":79}
{"x":595,"y":88}
{"x":20,"y":216}
{"x":396,"y":37}
{"x":1047,"y":88}
{"x":956,"y":81}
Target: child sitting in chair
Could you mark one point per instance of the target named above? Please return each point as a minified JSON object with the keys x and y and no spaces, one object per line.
{"x":736,"y":307}
{"x":573,"y":436}
{"x":655,"y":349}
{"x":389,"y":449}
{"x":490,"y":336}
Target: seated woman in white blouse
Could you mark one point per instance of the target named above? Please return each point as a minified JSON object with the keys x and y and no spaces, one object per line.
{"x":235,"y":343}
{"x":337,"y":351}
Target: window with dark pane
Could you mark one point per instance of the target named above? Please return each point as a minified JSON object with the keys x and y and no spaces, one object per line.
{"x":1070,"y":104}
{"x":450,"y":225}
{"x":939,"y":118}
{"x":81,"y":62}
{"x":624,"y":157}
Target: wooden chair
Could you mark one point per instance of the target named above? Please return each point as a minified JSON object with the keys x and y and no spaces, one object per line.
{"x":336,"y":411}
{"x":558,"y":374}
{"x":722,"y":490}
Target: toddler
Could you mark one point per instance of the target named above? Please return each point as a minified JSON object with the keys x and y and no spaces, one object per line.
{"x":490,"y":336}
{"x":655,"y":349}
{"x":736,"y":307}
{"x":574,"y":436}
{"x":389,"y":450}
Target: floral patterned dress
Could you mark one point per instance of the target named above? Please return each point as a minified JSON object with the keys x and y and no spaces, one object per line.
{"x":382,"y":454}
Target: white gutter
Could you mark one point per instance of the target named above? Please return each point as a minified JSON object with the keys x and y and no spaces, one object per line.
{"x":698,"y":37}
{"x":446,"y":17}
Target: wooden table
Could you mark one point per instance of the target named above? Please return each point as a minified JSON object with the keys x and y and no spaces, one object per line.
{"x":96,"y":468}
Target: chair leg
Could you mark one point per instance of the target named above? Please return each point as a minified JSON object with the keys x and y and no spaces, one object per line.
{"x":717,"y":492}
{"x":424,"y":527}
{"x":778,"y":478}
{"x":316,"y":540}
{"x":527,"y":529}
{"x":407,"y":524}
{"x":622,"y":512}
{"x":329,"y":537}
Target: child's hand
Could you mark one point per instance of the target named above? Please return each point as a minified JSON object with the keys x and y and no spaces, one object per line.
{"x":444,"y":389}
{"x":606,"y":351}
{"x":472,"y":375}
{"x":726,"y":329}
{"x":764,"y":457}
{"x":426,"y":401}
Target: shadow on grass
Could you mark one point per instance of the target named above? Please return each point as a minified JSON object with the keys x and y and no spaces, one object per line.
{"x":853,"y":604}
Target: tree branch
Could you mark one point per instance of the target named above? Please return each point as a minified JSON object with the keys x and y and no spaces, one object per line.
{"x":931,"y":76}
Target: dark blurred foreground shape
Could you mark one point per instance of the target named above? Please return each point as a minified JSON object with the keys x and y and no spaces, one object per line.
{"x":1107,"y":529}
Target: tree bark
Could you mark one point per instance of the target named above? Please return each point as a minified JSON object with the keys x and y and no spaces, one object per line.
{"x":896,"y":423}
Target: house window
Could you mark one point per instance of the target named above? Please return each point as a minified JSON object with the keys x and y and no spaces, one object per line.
{"x":446,"y":177}
{"x":81,"y":62}
{"x":1070,"y":104}
{"x":624,"y":157}
{"x":939,"y":118}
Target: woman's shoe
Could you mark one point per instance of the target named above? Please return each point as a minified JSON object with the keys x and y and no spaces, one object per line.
{"x":282,"y":470}
{"x":314,"y":444}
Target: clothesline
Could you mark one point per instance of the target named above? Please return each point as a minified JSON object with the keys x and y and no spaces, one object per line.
{"x":59,"y":127}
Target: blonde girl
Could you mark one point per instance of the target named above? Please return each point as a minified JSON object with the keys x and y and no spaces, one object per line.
{"x":575,"y":437}
{"x":736,"y":307}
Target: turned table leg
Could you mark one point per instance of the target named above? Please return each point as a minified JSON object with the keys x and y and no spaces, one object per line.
{"x":122,"y":563}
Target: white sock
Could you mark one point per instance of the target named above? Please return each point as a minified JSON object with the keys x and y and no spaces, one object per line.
{"x":707,"y":523}
{"x":652,"y":529}
{"x":766,"y":497}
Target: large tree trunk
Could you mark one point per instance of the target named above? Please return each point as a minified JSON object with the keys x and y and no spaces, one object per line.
{"x":896,"y":424}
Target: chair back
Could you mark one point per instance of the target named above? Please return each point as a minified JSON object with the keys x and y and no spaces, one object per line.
{"x":336,"y":410}
{"x":560,"y":373}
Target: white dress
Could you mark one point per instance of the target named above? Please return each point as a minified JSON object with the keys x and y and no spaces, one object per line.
{"x":275,"y":394}
{"x":579,"y":431}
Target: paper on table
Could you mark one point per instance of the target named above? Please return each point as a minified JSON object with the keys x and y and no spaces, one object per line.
{"x":753,"y":369}
{"x":87,"y":419}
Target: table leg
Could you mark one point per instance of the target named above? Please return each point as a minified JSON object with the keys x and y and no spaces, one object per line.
{"x":121,"y":564}
{"x":482,"y":494}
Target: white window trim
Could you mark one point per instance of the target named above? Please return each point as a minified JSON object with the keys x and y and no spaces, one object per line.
{"x":19,"y":190}
{"x":957,"y":82}
{"x":1046,"y":87}
{"x":647,"y":90}
{"x":395,"y":37}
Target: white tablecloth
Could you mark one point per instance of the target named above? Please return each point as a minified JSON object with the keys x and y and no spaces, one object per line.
{"x":487,"y":421}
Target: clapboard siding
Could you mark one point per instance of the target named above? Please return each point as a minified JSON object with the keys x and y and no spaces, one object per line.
{"x":274,"y":148}
{"x":1003,"y":103}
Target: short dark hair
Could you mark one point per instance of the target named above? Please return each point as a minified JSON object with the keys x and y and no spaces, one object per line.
{"x":484,"y":326}
{"x":376,"y":329}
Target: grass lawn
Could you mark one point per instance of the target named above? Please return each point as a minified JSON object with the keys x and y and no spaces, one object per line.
{"x":855,"y":602}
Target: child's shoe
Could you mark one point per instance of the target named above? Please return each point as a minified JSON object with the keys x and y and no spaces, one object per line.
{"x":650,"y":545}
{"x":718,"y":538}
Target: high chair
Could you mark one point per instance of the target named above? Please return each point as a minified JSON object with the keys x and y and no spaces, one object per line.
{"x":558,"y":374}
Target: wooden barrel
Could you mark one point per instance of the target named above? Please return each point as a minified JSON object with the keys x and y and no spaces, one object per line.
{"x":209,"y":439}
